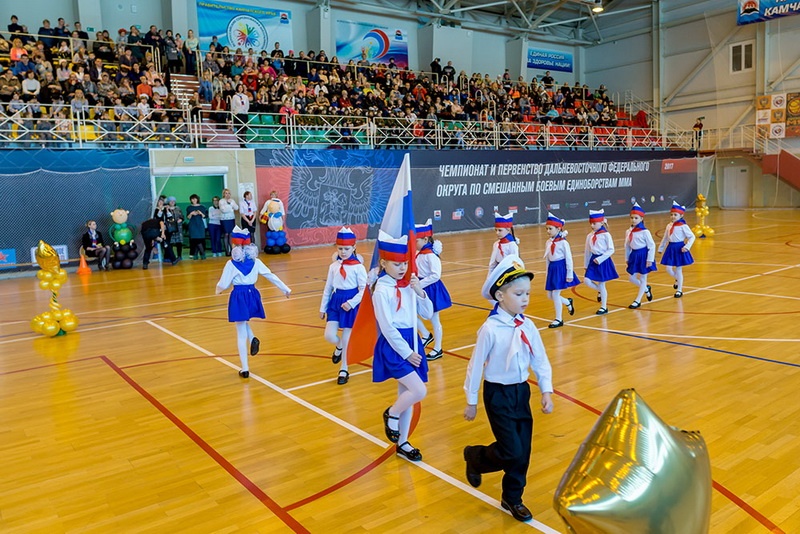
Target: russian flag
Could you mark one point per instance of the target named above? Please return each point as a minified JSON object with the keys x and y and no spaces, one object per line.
{"x":398,"y":220}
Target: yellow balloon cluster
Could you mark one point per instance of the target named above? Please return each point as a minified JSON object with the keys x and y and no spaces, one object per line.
{"x":701,"y":229}
{"x":51,"y":278}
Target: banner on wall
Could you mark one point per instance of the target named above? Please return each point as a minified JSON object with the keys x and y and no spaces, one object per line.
{"x":539,"y":58}
{"x":778,"y":115}
{"x":377,"y":44}
{"x":762,"y":10}
{"x":460,"y":190}
{"x":241,"y":26}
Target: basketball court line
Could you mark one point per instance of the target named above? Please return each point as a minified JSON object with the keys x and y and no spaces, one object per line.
{"x":326,"y":381}
{"x":369,"y":437}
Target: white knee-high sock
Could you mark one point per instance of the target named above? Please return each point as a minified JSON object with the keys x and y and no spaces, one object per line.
{"x":250,"y":334}
{"x":603,"y":295}
{"x":437,"y":331}
{"x":557,"y":304}
{"x":422,"y":329}
{"x":405,"y":424}
{"x":679,"y":278}
{"x":345,"y":340}
{"x":642,"y":288}
{"x":671,"y":271}
{"x":242,"y":343}
{"x":332,"y":333}
{"x":634,"y":279}
{"x":591,"y":284}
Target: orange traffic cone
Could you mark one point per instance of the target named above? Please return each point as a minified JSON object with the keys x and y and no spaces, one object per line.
{"x":83,"y":268}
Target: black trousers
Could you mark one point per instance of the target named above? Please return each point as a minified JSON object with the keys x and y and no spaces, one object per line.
{"x":149,"y":237}
{"x":509,"y":410}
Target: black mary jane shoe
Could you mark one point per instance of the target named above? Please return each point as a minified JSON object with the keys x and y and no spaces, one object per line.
{"x":649,"y":294}
{"x":678,"y":294}
{"x":635,"y":304}
{"x":601,"y":311}
{"x":473,"y":476}
{"x":427,"y":341}
{"x":519,"y":511}
{"x":570,"y":307}
{"x":255,"y":344}
{"x":391,"y":435}
{"x":599,"y":298}
{"x":344,"y":376}
{"x":244,"y":374}
{"x":414,"y":455}
{"x":675,"y":285}
{"x":336,"y":357}
{"x":556,"y":324}
{"x":434,"y":355}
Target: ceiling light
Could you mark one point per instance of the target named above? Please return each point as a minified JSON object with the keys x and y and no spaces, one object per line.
{"x":598,"y":6}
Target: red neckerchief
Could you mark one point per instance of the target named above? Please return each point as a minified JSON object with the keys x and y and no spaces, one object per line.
{"x":679,"y":222}
{"x":600,"y":231}
{"x":427,"y":248}
{"x":638,"y":228}
{"x":517,"y":323}
{"x":553,"y":244}
{"x":403,"y":282}
{"x":352,"y":260}
{"x":505,"y":239}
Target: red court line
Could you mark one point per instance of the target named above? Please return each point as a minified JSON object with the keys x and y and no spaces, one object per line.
{"x":89,"y":358}
{"x":358,"y":474}
{"x":274,"y":507}
{"x":735,"y":499}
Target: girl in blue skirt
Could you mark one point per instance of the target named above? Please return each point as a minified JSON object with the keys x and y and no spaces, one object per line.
{"x":429,"y":269}
{"x":560,"y":273}
{"x":398,"y":352}
{"x":242,"y":272}
{"x":675,"y":245}
{"x":640,"y":253}
{"x":343,"y":291}
{"x":597,"y":258}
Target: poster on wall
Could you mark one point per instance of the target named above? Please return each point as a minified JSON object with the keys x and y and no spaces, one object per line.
{"x":761,"y":10}
{"x":778,"y":115}
{"x":377,"y":44}
{"x":241,"y":26}
{"x":793,"y":115}
{"x":542,"y":59}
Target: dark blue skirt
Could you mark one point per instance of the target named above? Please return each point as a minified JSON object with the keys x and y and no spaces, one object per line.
{"x":440,"y":297}
{"x":335,"y":311}
{"x":637,"y":262}
{"x":245,"y":304}
{"x":601,"y":273}
{"x":674,"y":257}
{"x":388,"y":364}
{"x":557,"y":276}
{"x":227,"y":225}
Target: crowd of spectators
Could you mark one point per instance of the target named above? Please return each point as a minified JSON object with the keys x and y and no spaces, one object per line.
{"x":57,"y":74}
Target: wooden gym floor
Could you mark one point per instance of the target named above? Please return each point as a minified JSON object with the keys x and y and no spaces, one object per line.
{"x":139,"y":421}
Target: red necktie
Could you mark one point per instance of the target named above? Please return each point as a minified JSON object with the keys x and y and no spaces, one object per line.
{"x":517,"y":324}
{"x":553,"y":244}
{"x":676,"y":223}
{"x":630,"y":235}
{"x":500,"y":248}
{"x":348,"y":261}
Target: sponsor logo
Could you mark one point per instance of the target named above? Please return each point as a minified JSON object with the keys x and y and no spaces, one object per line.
{"x":437,"y":215}
{"x":608,"y":202}
{"x":8,"y":258}
{"x":245,"y":31}
{"x":398,"y":35}
{"x":652,"y":198}
{"x":284,"y":18}
{"x":573,"y":205}
{"x":589,"y":203}
{"x":554,"y":206}
{"x":621,"y":201}
{"x":661,"y":198}
{"x":478,"y":210}
{"x":458,"y":214}
{"x":513,"y":209}
{"x":748,"y":7}
{"x":531,"y":208}
{"x":633,"y":200}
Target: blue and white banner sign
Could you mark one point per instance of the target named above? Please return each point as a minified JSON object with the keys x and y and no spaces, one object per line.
{"x":762,"y":10}
{"x":549,"y":60}
{"x":240,"y":26}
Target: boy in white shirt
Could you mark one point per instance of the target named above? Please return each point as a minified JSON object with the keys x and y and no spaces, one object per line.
{"x":508,"y":345}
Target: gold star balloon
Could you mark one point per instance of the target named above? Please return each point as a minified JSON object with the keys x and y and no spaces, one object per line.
{"x":634,"y":473}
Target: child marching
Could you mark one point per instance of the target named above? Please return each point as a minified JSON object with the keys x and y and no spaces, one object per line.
{"x":560,"y":273}
{"x":429,"y":270}
{"x":507,"y":244}
{"x":675,"y":245}
{"x":344,"y":289}
{"x":398,"y":351}
{"x":640,"y":253}
{"x":508,"y":345}
{"x":242,"y":272}
{"x":597,"y":258}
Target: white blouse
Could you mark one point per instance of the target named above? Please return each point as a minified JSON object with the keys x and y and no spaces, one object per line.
{"x":681,"y":233}
{"x":356,"y":278}
{"x":227,"y":207}
{"x":385,"y":301}
{"x":497,"y":255}
{"x":603,"y":246}
{"x":429,"y":269}
{"x":233,"y":276}
{"x":640,"y":240}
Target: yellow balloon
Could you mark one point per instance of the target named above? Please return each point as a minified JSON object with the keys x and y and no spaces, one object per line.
{"x":66,"y":312}
{"x":37,"y":324}
{"x":55,"y":285}
{"x":46,"y":316}
{"x":50,"y":328}
{"x":40,"y":274}
{"x":57,"y":314}
{"x":47,"y":257}
{"x":698,"y":232}
{"x":710,"y":231}
{"x":44,"y":284}
{"x":62,"y":276}
{"x":46,"y":275}
{"x":69,"y":323}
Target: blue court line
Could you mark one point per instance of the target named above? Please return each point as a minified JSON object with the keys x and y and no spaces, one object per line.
{"x":679,"y":343}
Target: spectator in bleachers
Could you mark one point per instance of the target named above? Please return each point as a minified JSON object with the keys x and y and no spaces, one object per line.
{"x":90,"y":89}
{"x":172,"y":52}
{"x":135,"y":42}
{"x":17,"y":49}
{"x":218,"y":108}
{"x":51,"y":89}
{"x":46,"y":34}
{"x":81,"y":34}
{"x":72,"y":84}
{"x":191,"y":47}
{"x":79,"y":105}
{"x":125,"y":89}
{"x":30,"y":86}
{"x":61,"y":29}
{"x":14,"y":29}
{"x":210,"y":64}
{"x":23,"y":66}
{"x":15,"y":105}
{"x":214,"y":46}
